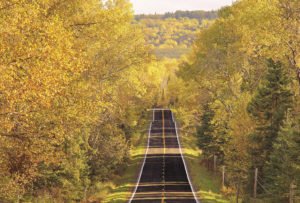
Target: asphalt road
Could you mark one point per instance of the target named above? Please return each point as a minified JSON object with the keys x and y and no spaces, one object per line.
{"x":163,"y":177}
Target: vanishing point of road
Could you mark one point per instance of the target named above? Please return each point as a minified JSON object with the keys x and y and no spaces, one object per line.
{"x":163,"y":177}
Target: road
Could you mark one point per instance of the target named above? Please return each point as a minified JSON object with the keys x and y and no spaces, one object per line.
{"x":163,"y":177}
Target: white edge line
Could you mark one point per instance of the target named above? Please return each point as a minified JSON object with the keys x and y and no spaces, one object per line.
{"x":142,"y":168}
{"x":187,"y":173}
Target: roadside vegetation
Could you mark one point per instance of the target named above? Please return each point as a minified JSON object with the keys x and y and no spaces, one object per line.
{"x":240,"y":95}
{"x":206,"y":183}
{"x":119,"y":189}
{"x":77,"y":76}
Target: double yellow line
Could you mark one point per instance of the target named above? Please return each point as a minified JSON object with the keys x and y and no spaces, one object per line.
{"x":163,"y":131}
{"x":164,"y":146}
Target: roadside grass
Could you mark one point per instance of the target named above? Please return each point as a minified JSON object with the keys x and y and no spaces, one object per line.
{"x":119,"y":190}
{"x":206,"y":184}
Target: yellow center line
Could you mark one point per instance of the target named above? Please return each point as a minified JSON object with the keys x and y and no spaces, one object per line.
{"x":163,"y":131}
{"x":164,"y":146}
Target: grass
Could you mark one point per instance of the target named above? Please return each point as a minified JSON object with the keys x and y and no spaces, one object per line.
{"x":206,"y":184}
{"x":120,"y":188}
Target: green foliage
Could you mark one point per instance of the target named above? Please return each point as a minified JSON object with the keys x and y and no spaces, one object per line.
{"x":249,"y":100}
{"x":205,"y":132}
{"x":207,"y":187}
{"x":104,"y":159}
{"x":269,"y":107}
{"x":282,"y":169}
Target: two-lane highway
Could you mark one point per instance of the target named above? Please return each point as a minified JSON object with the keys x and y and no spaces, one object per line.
{"x":163,"y":177}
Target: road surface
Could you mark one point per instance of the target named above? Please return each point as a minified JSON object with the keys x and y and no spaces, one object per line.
{"x":163,"y":177}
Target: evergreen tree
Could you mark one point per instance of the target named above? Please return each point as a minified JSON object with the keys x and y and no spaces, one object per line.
{"x":284,"y":165}
{"x":205,"y":131}
{"x":210,"y":138}
{"x":268,"y":109}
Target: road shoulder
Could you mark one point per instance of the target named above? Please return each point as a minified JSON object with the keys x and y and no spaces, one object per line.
{"x":204,"y":182}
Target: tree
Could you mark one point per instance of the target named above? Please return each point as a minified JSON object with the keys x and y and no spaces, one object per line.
{"x":205,"y":130}
{"x":212,"y":136}
{"x":237,"y":150}
{"x":70,"y":70}
{"x":39,"y":69}
{"x":249,"y":99}
{"x":268,"y":109}
{"x":104,"y":160}
{"x":283,"y":168}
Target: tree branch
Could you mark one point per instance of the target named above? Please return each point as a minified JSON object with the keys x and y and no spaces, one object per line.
{"x":85,"y":24}
{"x":14,"y":135}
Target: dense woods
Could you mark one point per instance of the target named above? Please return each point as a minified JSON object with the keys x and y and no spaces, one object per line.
{"x":198,"y":15}
{"x":172,"y":34}
{"x":243,"y":84}
{"x":75,"y":76}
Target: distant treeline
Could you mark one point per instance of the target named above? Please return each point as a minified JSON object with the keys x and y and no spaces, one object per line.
{"x":172,"y":34}
{"x":199,"y":15}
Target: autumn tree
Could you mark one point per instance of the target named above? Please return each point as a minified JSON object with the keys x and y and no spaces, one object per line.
{"x":249,"y":99}
{"x":71,"y":72}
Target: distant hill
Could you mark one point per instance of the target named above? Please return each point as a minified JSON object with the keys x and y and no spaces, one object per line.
{"x":199,"y":15}
{"x":172,"y":34}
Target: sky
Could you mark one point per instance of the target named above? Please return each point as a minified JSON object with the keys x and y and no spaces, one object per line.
{"x":162,"y":6}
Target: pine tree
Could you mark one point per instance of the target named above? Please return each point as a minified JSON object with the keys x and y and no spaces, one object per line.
{"x":210,"y":138}
{"x":268,"y":109}
{"x":205,"y":131}
{"x":284,"y":165}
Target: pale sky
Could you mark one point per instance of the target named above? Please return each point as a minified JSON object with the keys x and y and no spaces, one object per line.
{"x":162,"y":6}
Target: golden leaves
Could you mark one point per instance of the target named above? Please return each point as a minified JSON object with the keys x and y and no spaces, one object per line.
{"x":66,"y":68}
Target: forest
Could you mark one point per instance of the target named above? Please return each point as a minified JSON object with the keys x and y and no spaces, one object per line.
{"x":78,"y":76}
{"x":198,"y":15}
{"x":172,"y":34}
{"x":241,"y":84}
{"x":75,"y":78}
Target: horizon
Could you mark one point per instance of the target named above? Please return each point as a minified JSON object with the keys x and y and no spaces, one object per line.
{"x":174,"y":12}
{"x":160,"y":7}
